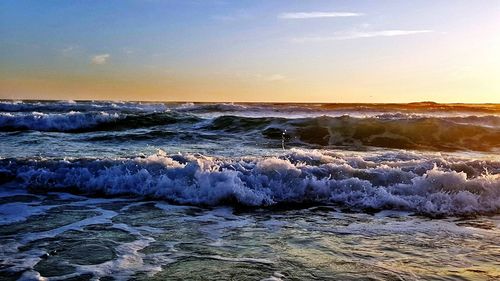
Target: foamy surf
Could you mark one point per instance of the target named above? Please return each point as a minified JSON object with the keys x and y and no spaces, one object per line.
{"x":191,"y":191}
{"x":77,"y":237}
{"x":426,"y":185}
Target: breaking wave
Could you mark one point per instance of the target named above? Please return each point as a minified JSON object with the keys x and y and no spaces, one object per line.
{"x":414,"y":133}
{"x":85,"y":106}
{"x":428,"y":186}
{"x":87,"y":121}
{"x":424,"y":133}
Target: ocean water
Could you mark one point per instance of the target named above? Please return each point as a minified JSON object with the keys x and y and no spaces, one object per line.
{"x":193,"y":191}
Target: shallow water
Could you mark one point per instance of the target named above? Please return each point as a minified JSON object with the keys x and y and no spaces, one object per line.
{"x":131,"y":191}
{"x":70,"y":236}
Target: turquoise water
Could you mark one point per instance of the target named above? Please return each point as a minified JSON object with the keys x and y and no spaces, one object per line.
{"x":77,"y":237}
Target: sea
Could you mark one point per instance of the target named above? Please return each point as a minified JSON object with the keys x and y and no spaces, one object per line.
{"x":105,"y":190}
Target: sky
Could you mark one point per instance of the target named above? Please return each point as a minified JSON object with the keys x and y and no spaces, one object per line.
{"x":251,"y":50}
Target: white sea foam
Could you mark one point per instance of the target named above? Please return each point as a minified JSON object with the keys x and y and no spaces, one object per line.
{"x":20,"y":260}
{"x":66,"y":106}
{"x":436,"y":186}
{"x":103,"y":218}
{"x":54,"y":121}
{"x":32,"y":275}
{"x":129,"y":261}
{"x":15,"y":212}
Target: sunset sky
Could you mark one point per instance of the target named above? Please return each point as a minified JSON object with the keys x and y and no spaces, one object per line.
{"x":221,"y":50}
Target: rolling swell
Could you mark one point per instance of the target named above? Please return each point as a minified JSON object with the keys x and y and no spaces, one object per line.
{"x":429,"y":186}
{"x":476,"y":133}
{"x":422,"y":133}
{"x":83,"y":106}
{"x":429,"y":133}
{"x":88,"y":121}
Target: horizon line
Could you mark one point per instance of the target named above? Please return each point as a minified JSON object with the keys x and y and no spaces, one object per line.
{"x":255,"y":102}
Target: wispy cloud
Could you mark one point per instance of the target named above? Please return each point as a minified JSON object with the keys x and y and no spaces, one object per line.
{"x":360,"y":34}
{"x":100,"y":59}
{"x":317,"y":15}
{"x":70,"y":50}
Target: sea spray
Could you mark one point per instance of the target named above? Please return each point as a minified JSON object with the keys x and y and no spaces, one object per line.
{"x":427,"y":186}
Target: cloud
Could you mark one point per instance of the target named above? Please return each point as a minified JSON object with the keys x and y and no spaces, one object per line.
{"x":71,"y":51}
{"x":317,"y":15}
{"x":67,"y":50}
{"x":359,"y":34}
{"x":100,"y":59}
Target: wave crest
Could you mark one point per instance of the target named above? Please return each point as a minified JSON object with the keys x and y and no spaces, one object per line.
{"x":427,"y":186}
{"x":87,"y":121}
{"x":479,"y":133}
{"x":415,"y":133}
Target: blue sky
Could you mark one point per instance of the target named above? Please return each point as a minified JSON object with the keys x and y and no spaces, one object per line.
{"x":379,"y":51}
